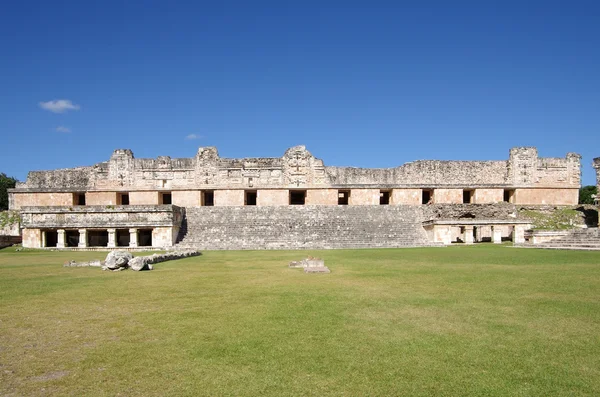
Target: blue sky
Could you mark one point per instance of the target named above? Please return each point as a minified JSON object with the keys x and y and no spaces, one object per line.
{"x":360,"y":83}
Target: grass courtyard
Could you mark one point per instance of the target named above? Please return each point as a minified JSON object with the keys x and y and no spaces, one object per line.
{"x":472,"y":321}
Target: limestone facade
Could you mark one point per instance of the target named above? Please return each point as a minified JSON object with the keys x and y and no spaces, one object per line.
{"x":596,"y":165}
{"x":126,"y":199}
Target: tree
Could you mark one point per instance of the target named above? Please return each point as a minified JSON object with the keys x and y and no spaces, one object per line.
{"x":6,"y":182}
{"x":585,"y":194}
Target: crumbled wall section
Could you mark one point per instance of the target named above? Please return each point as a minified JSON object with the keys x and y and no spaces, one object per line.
{"x":298,"y":169}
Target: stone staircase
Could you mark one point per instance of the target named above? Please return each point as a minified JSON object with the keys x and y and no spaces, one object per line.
{"x":298,"y":227}
{"x":579,"y":239}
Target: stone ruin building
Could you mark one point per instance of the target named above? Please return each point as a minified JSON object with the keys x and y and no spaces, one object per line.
{"x":294,"y":201}
{"x":596,"y":165}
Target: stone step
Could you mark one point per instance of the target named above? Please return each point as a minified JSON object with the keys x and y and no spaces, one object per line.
{"x":302,"y":227}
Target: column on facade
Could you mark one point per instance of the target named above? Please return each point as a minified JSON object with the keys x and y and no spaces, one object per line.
{"x":111,"y":238}
{"x":496,"y":234}
{"x":519,"y":234}
{"x":133,"y":238}
{"x":478,"y":233}
{"x":43,"y":235}
{"x":60,"y":242}
{"x":82,"y":238}
{"x":468,"y":235}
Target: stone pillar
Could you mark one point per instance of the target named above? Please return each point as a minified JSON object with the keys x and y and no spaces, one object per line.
{"x":111,"y":238}
{"x":60,"y":243}
{"x":496,"y":234}
{"x":468,"y":235}
{"x":133,"y":238}
{"x":82,"y":238}
{"x":519,"y":234}
{"x":478,"y":234}
{"x":43,"y":238}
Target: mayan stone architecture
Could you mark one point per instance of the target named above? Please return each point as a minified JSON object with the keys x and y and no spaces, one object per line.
{"x":596,"y":165}
{"x":293,"y":201}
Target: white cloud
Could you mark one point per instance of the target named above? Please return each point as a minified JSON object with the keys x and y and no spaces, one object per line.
{"x":59,"y":105}
{"x":62,"y":128}
{"x":193,"y":136}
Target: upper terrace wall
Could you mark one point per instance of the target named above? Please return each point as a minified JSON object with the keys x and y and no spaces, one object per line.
{"x":298,"y":168}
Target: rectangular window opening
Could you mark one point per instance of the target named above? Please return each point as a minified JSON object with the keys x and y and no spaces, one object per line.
{"x":427,"y":196}
{"x":72,"y":238}
{"x":123,"y":199}
{"x":509,"y":195}
{"x":123,"y":237}
{"x":78,"y":198}
{"x":207,"y":198}
{"x":250,"y":197}
{"x":467,"y":196}
{"x":51,"y":238}
{"x":343,"y":197}
{"x":297,"y":197}
{"x":165,"y":198}
{"x":384,"y":197}
{"x":145,"y":237}
{"x":97,"y":238}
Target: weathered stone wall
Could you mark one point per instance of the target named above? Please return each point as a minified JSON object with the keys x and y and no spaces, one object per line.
{"x":424,"y":172}
{"x":406,"y":196}
{"x":186,"y":198}
{"x":228,"y":197}
{"x":364,"y":197}
{"x":272,"y":197}
{"x":303,"y":226}
{"x":546,"y":196}
{"x":99,"y":217}
{"x":322,"y":197}
{"x":298,"y":168}
{"x":32,"y":238}
{"x":448,"y":196}
{"x":143,"y":198}
{"x":503,"y":211}
{"x":488,"y":196}
{"x":27,"y":199}
{"x":10,"y":223}
{"x":596,"y":165}
{"x":101,"y":198}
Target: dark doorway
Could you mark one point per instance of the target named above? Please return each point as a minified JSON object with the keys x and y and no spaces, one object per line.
{"x":79,"y":198}
{"x":97,"y":238}
{"x":72,"y":238}
{"x":122,"y":237}
{"x":145,"y":238}
{"x":297,"y":197}
{"x":166,"y":198}
{"x":250,"y":198}
{"x":123,"y":199}
{"x":467,"y":196}
{"x":51,"y":238}
{"x":508,"y":195}
{"x":426,"y":196}
{"x":207,"y":198}
{"x":384,"y":197}
{"x":343,"y":197}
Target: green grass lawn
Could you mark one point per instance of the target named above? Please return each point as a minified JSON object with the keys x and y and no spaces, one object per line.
{"x":482,"y":320}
